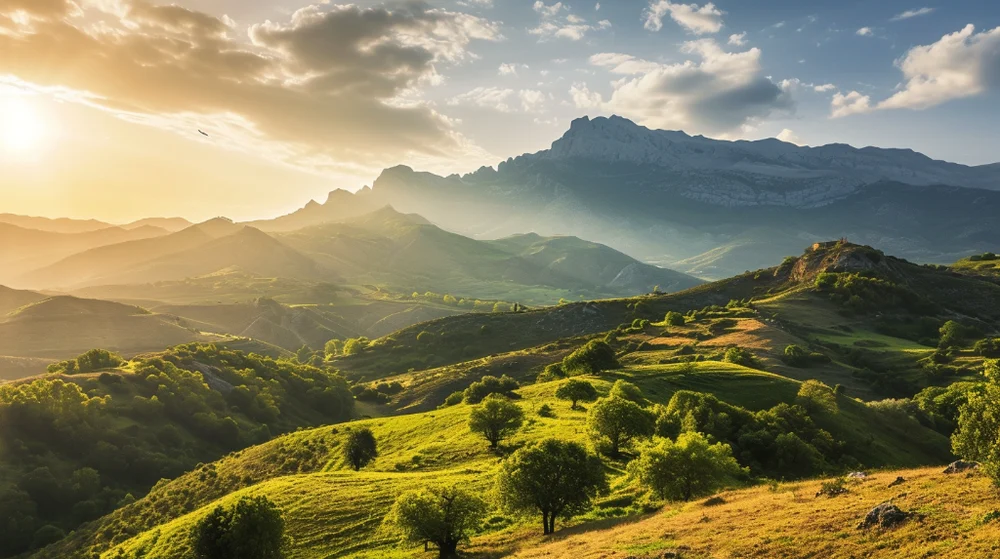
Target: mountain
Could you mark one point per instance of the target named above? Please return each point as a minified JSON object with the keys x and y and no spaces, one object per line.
{"x":22,"y":249}
{"x":668,"y":197}
{"x":339,"y":205}
{"x":63,"y":327}
{"x":405,"y":251}
{"x":12,"y":299}
{"x":172,"y":224}
{"x":59,"y":225}
{"x":101,"y":264}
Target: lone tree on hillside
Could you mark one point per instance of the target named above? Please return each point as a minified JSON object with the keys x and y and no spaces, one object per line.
{"x":360,"y":448}
{"x":576,"y":390}
{"x":816,"y":396}
{"x":496,"y":419}
{"x":253,"y":528}
{"x":627,"y":390}
{"x":674,"y":318}
{"x":614,"y":422}
{"x":444,"y":517}
{"x":687,"y":468}
{"x":978,"y":434}
{"x":552,"y":477}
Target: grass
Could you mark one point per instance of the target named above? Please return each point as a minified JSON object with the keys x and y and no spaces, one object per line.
{"x":790,"y":523}
{"x":334,"y":512}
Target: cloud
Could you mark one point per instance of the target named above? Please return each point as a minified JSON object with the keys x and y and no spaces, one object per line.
{"x":532,"y":100}
{"x":583,"y":98}
{"x":865,"y":32}
{"x":331,"y":87}
{"x":851,"y":104}
{"x":554,"y":25}
{"x":508,"y":69}
{"x":597,"y":7}
{"x":911,"y":13}
{"x":698,"y":20}
{"x":716,"y":93}
{"x":960,"y":64}
{"x":823,"y":88}
{"x":738,"y":39}
{"x":486,"y":97}
{"x":789,"y":136}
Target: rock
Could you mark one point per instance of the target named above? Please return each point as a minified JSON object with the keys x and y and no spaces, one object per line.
{"x":885,"y":515}
{"x":900,"y":480}
{"x":857,"y":475}
{"x":959,"y":466}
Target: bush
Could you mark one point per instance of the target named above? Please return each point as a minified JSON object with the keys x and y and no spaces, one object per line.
{"x":454,"y":398}
{"x":552,"y":372}
{"x":355,"y":346}
{"x":546,"y":411}
{"x":674,"y":318}
{"x":688,"y":468}
{"x":815,"y":397}
{"x":988,"y":347}
{"x":595,"y":356}
{"x":978,"y":435}
{"x":628,"y":391}
{"x":740,"y":356}
{"x":253,"y":528}
{"x":956,"y":334}
{"x":489,"y":384}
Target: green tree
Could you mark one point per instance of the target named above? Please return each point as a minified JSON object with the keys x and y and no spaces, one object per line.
{"x":576,"y":390}
{"x":445,"y":517}
{"x":740,"y":356}
{"x":978,"y":435}
{"x":355,"y":346}
{"x":360,"y":448}
{"x":303,"y":354}
{"x":688,"y":468}
{"x":489,"y":384}
{"x":555,"y":478}
{"x":496,"y":419}
{"x":615,"y":422}
{"x":253,"y":528}
{"x":674,"y":318}
{"x":595,"y":356}
{"x":627,"y":390}
{"x":332,"y":348}
{"x":955,"y":334}
{"x":816,"y":397}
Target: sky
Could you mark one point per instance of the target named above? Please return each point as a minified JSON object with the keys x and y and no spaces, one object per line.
{"x":121,"y":109}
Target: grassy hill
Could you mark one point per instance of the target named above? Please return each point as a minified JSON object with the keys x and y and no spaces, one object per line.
{"x":332,"y":511}
{"x":79,"y":446}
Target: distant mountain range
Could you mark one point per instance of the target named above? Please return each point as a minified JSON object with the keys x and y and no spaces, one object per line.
{"x":707,"y":207}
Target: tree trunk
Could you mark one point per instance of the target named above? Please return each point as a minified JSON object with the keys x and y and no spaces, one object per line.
{"x":447,"y":550}
{"x":545,"y":523}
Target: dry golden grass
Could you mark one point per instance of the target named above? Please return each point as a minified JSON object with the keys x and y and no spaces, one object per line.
{"x":790,"y":522}
{"x":751,"y":333}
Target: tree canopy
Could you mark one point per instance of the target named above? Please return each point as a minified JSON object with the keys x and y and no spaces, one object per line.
{"x":686,"y":468}
{"x":360,"y":448}
{"x":615,"y":422}
{"x":253,"y":528}
{"x":576,"y":390}
{"x":496,"y":419}
{"x":445,"y":517}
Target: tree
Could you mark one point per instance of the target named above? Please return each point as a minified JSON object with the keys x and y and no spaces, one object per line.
{"x":332,"y":349}
{"x":628,"y":391}
{"x":740,"y":356}
{"x":595,"y":356}
{"x":444,"y":517}
{"x":489,"y":384}
{"x":496,"y":419}
{"x":355,"y":346}
{"x":816,"y":396}
{"x":253,"y":528}
{"x":955,"y":334}
{"x":674,"y":318}
{"x":303,"y":354}
{"x":687,"y":468}
{"x":616,"y":422}
{"x":552,"y":477}
{"x":576,"y":390}
{"x":978,"y":434}
{"x":360,"y":448}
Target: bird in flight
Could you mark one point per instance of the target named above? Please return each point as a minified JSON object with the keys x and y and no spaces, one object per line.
{"x":202,"y":133}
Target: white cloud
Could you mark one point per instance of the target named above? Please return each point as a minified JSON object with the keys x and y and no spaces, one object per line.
{"x":698,"y":20}
{"x":823,"y":88}
{"x":865,"y":32}
{"x":495,"y":98}
{"x":583,"y":98}
{"x":789,"y":136}
{"x":851,"y":104}
{"x":912,"y":13}
{"x":738,"y":39}
{"x":532,"y":100}
{"x":478,"y":3}
{"x":714,"y":93}
{"x":509,"y":69}
{"x":960,"y":64}
{"x":597,"y":7}
{"x":554,"y":25}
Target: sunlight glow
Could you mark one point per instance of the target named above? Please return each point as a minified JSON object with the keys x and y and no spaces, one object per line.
{"x":23,"y":130}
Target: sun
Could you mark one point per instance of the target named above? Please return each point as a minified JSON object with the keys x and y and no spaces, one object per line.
{"x":22,"y":126}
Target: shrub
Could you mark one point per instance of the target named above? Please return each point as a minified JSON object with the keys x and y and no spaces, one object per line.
{"x":815,"y":396}
{"x":595,"y":356}
{"x":552,"y":372}
{"x":627,"y":390}
{"x":489,"y":384}
{"x":355,"y":346}
{"x":253,"y":528}
{"x":740,"y":356}
{"x":546,"y":410}
{"x":685,"y":469}
{"x":454,"y":398}
{"x":978,"y":435}
{"x":555,"y":478}
{"x":956,"y":334}
{"x":988,"y":347}
{"x":674,"y":318}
